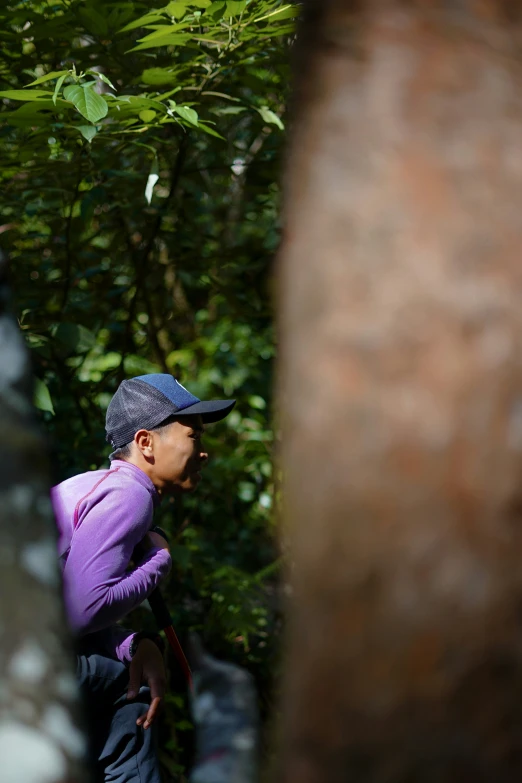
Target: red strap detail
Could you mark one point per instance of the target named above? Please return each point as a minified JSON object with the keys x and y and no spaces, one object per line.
{"x":170,"y":633}
{"x":77,"y":509}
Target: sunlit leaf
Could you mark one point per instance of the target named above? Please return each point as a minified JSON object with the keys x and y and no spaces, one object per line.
{"x":158,"y":76}
{"x":216,"y":9}
{"x":142,"y":21}
{"x":176,"y":9}
{"x":42,"y":398}
{"x":173,"y":39}
{"x":271,"y":117}
{"x":48,"y":77}
{"x":163,"y":30}
{"x":104,"y":78}
{"x":283,"y":12}
{"x":186,"y":113}
{"x":25,"y":95}
{"x":151,"y":181}
{"x":91,"y":105}
{"x":204,"y":127}
{"x":235,"y":8}
{"x":88,"y":131}
{"x":58,"y":87}
{"x":147,"y":115}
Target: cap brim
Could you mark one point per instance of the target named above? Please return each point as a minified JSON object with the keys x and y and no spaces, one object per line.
{"x":211,"y":411}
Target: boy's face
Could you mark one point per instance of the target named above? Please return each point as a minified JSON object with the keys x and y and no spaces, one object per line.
{"x":178,"y":455}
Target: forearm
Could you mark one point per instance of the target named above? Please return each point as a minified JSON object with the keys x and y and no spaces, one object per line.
{"x":96,"y":604}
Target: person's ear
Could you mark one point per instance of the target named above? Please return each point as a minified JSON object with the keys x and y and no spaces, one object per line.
{"x":144,"y":441}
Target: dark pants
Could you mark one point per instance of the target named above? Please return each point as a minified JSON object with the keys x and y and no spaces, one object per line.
{"x":122,"y":751}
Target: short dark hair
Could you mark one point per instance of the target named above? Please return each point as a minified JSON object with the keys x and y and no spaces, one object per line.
{"x":124,"y":452}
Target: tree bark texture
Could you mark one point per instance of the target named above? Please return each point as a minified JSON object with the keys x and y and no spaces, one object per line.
{"x":401,"y":394}
{"x":40,"y":740}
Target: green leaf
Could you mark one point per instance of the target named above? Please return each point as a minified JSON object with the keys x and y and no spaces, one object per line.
{"x":176,"y":9}
{"x":167,"y":94}
{"x":216,"y":9}
{"x":276,"y":31}
{"x":255,"y":401}
{"x":58,"y":86}
{"x":90,"y":105}
{"x":204,"y":127}
{"x":162,"y":30}
{"x":74,"y":337}
{"x":93,"y":20}
{"x":147,"y":115}
{"x":135,"y":103}
{"x":235,"y":8}
{"x":151,"y":181}
{"x":142,"y":21}
{"x":42,"y":398}
{"x":223,"y":110}
{"x":270,"y":117}
{"x":25,"y":95}
{"x":158,"y":76}
{"x":174,"y":39}
{"x":103,"y":78}
{"x":220,"y":95}
{"x":186,"y":113}
{"x":48,"y":77}
{"x":88,"y":131}
{"x":32,"y":114}
{"x":280,"y":13}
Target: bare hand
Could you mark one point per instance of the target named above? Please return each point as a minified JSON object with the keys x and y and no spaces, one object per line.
{"x":147,"y":667}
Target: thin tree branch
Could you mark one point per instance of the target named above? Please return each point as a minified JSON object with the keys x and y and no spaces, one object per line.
{"x":68,"y":251}
{"x":140,"y":265}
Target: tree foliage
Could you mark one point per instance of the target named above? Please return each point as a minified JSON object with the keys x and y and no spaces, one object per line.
{"x":141,"y":148}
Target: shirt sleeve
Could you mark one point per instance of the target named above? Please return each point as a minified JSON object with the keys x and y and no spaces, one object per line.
{"x":98,"y":588}
{"x":114,"y":642}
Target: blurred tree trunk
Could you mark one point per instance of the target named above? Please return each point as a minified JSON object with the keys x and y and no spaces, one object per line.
{"x":401,"y":391}
{"x":40,"y":741}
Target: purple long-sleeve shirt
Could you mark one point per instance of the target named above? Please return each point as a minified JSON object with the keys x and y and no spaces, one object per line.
{"x":101,"y":516}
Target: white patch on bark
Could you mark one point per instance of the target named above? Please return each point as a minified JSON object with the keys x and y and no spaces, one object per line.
{"x":245,"y":740}
{"x":14,"y":357}
{"x":66,"y":686}
{"x":40,"y":559}
{"x":21,"y":498}
{"x":202,"y":706}
{"x":29,"y":663}
{"x":57,"y":722}
{"x":29,"y":756}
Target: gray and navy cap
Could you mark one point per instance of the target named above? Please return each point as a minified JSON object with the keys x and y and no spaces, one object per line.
{"x":147,"y":401}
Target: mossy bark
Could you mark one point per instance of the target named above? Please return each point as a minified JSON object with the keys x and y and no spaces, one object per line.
{"x":401,"y":394}
{"x":41,"y":740}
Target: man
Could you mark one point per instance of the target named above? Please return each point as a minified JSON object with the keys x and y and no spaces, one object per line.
{"x":112,"y":561}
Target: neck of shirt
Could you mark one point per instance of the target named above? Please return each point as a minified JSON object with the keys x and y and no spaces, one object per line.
{"x":139,"y":476}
